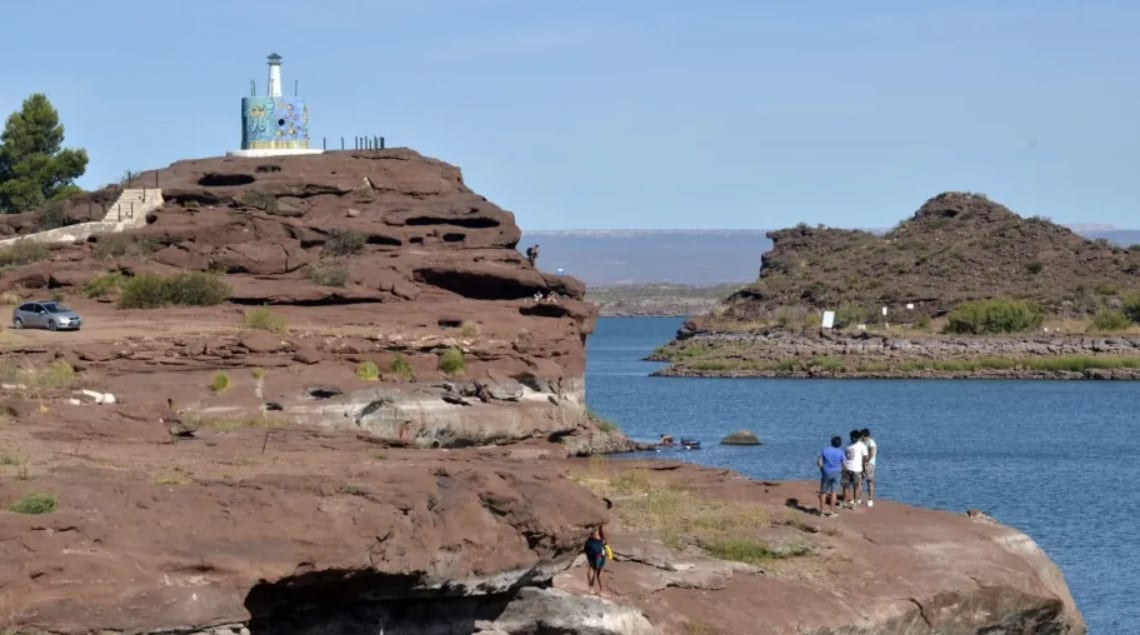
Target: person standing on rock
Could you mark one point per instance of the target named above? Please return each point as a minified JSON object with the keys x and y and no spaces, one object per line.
{"x":869,"y":469}
{"x":597,"y":552}
{"x":856,"y":456}
{"x":532,"y":254}
{"x":596,"y":558}
{"x":830,"y":462}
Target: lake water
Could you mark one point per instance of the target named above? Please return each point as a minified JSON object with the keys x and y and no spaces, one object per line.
{"x":1055,"y":459}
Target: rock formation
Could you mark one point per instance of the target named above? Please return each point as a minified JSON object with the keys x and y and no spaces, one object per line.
{"x":892,"y":296}
{"x":373,"y":265}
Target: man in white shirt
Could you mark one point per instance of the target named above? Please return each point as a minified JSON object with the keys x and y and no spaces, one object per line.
{"x":853,"y":470}
{"x":869,"y":469}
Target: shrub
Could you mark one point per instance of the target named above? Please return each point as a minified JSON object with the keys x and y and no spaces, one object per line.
{"x":34,"y":504}
{"x":103,"y":285}
{"x":52,"y":217}
{"x":345,"y":242}
{"x":469,"y":330}
{"x":262,"y":319}
{"x":57,"y":375}
{"x":1110,"y":320}
{"x":849,"y":314}
{"x":23,"y":252}
{"x":605,"y":425}
{"x":1033,"y":268}
{"x":451,"y":362}
{"x":148,"y":291}
{"x":1106,"y":288}
{"x":994,"y":316}
{"x":259,"y":200}
{"x":118,"y":245}
{"x":368,"y":371}
{"x":220,"y":382}
{"x":327,"y":275}
{"x":1130,"y":304}
{"x":401,"y":367}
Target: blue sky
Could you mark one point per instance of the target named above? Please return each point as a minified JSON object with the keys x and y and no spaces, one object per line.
{"x":632,"y":113}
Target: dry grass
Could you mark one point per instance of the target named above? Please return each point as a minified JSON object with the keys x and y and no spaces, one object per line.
{"x":683,"y":517}
{"x":171,"y":479}
{"x":54,"y":375}
{"x":226,"y":424}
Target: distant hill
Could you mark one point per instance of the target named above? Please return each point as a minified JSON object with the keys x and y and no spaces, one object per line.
{"x":687,"y":256}
{"x":956,"y":247}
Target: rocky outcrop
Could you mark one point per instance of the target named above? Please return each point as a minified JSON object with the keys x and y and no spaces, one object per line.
{"x":741,"y":437}
{"x":956,"y":247}
{"x":251,"y":527}
{"x":318,"y":532}
{"x":889,"y":295}
{"x":382,"y":259}
{"x":888,"y":570}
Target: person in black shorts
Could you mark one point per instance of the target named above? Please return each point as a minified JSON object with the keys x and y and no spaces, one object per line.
{"x":596,"y":558}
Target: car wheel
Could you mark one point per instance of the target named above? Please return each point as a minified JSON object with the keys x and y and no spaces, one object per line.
{"x":17,"y":323}
{"x":52,"y":325}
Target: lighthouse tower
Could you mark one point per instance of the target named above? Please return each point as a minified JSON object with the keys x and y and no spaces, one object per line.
{"x":271,"y":124}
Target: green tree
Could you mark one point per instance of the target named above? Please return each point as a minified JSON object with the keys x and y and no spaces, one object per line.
{"x":33,"y":168}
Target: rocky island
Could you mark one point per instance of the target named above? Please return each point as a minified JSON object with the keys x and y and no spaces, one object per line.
{"x":964,"y":288}
{"x":326,"y":393}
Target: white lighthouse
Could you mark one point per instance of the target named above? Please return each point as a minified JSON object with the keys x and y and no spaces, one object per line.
{"x":273,"y":87}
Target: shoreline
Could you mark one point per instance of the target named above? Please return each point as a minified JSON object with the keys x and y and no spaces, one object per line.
{"x":684,"y":373}
{"x":774,"y":353}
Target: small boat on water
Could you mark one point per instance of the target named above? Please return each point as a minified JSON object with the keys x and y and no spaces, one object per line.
{"x":666,"y":442}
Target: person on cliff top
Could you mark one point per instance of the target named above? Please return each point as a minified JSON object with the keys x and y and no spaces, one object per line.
{"x":532,"y":254}
{"x":869,"y":468}
{"x":830,"y":463}
{"x":855,"y":457}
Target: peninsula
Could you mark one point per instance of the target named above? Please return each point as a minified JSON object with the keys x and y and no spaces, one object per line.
{"x":964,"y":288}
{"x":325,"y":393}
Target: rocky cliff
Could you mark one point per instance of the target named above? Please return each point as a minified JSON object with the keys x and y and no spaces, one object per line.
{"x":362,"y":271}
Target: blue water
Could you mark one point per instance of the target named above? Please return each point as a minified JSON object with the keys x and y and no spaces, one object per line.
{"x":1058,"y":460}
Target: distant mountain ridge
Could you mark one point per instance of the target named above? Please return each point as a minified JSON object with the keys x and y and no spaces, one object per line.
{"x":611,"y":257}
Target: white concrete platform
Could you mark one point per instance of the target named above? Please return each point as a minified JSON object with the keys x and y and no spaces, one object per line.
{"x":274,"y":152}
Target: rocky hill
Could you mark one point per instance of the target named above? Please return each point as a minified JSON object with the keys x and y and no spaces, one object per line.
{"x":348,"y":275}
{"x":957,"y":249}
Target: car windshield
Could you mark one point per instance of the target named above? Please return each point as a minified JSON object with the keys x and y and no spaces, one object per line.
{"x":55,"y":307}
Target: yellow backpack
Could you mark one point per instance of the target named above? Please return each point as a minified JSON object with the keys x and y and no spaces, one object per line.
{"x":609,"y":552}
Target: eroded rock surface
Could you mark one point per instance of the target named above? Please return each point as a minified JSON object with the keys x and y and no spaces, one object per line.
{"x":891,"y":569}
{"x":377,"y":259}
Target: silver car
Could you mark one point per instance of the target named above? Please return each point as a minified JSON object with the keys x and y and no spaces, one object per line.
{"x":48,"y":315}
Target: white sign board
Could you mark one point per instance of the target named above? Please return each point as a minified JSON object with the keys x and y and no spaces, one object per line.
{"x":884,"y":310}
{"x":910,"y":305}
{"x":828,"y":319}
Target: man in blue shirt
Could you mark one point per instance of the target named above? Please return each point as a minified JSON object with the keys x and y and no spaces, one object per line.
{"x":830,"y":463}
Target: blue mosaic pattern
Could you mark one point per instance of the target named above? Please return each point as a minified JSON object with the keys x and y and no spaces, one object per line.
{"x":274,"y":123}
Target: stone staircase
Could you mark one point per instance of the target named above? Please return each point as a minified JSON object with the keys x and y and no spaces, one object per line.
{"x":133,"y":205}
{"x":128,"y":212}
